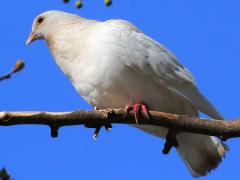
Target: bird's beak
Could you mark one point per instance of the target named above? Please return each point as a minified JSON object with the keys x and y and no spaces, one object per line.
{"x":31,"y":38}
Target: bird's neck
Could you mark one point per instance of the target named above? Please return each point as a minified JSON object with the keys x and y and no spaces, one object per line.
{"x":66,"y":45}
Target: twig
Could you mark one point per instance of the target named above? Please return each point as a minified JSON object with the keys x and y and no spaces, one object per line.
{"x":4,"y":174}
{"x":18,"y":66}
{"x":171,"y":141}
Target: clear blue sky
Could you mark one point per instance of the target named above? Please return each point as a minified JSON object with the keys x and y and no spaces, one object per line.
{"x":204,"y":35}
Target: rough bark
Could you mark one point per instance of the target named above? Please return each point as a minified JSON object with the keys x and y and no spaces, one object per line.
{"x":98,"y":118}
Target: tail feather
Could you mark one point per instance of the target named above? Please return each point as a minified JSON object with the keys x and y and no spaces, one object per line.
{"x":200,"y":153}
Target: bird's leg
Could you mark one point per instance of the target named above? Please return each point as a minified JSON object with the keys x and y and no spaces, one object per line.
{"x":137,"y":108}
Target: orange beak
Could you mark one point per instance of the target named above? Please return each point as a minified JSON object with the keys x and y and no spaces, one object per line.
{"x":31,"y":38}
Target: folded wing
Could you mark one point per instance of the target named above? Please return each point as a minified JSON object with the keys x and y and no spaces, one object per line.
{"x":148,"y":57}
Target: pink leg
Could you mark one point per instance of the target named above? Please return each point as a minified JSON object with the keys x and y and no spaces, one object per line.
{"x":137,"y":108}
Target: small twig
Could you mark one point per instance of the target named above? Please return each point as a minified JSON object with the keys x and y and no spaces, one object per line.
{"x":96,"y":132}
{"x":108,"y":127}
{"x":171,"y":141}
{"x":54,"y":131}
{"x":4,"y":174}
{"x":18,"y":66}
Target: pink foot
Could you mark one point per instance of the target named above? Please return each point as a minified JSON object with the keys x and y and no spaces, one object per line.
{"x":137,"y":108}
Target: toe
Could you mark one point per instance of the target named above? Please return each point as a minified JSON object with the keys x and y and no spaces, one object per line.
{"x":145,"y":110}
{"x":136,"y":110}
{"x":129,"y":108}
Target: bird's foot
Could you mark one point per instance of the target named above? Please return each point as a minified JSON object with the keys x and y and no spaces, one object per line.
{"x":137,"y":109}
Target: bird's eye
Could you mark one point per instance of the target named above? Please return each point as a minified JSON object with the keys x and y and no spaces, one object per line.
{"x":40,"y":20}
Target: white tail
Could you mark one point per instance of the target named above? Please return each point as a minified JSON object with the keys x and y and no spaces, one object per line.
{"x":200,"y":153}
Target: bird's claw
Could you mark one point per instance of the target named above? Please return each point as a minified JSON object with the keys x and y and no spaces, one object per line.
{"x":137,"y":108}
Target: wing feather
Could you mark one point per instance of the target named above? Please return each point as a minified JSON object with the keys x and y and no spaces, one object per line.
{"x":148,"y":57}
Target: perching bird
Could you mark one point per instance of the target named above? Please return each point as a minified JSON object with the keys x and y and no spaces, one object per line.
{"x":113,"y":64}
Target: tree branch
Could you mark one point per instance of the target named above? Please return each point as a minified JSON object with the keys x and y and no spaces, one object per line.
{"x":98,"y":118}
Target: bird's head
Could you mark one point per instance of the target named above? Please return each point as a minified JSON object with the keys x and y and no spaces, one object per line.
{"x":46,"y":23}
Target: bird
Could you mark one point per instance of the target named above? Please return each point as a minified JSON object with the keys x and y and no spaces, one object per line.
{"x":113,"y":64}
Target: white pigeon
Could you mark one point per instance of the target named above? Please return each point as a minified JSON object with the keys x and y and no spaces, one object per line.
{"x":112,"y":64}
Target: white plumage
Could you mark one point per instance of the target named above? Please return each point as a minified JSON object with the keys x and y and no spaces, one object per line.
{"x":112,"y":64}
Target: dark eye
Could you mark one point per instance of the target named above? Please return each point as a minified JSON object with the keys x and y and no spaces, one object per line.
{"x":40,"y":20}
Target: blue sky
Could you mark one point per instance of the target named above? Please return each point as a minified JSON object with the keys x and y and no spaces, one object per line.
{"x":203,"y":34}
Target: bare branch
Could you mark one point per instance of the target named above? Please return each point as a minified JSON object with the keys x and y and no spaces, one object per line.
{"x":18,"y":66}
{"x":98,"y":118}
